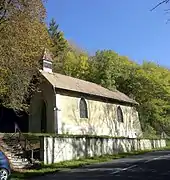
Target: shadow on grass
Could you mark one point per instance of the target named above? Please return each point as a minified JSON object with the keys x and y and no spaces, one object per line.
{"x":32,"y":173}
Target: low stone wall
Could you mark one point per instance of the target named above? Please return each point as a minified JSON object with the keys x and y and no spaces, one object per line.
{"x":55,"y":149}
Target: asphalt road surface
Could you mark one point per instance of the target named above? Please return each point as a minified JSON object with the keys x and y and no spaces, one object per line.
{"x":152,"y":166}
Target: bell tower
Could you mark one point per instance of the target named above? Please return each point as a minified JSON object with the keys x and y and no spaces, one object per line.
{"x":46,"y":61}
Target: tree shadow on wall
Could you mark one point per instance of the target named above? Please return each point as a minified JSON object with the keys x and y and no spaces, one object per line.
{"x":87,"y":147}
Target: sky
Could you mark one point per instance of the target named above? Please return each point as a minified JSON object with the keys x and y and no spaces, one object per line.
{"x":126,"y":26}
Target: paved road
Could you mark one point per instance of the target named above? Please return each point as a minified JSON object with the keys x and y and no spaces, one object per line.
{"x":152,"y":166}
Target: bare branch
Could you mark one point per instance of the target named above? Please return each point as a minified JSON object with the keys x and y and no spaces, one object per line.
{"x":2,"y":17}
{"x":3,"y":10}
{"x":167,"y":21}
{"x":162,"y":2}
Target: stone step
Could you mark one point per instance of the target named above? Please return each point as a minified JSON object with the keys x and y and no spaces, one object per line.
{"x":21,"y":166}
{"x":11,"y":147}
{"x":11,"y":144}
{"x":15,"y":154}
{"x":20,"y":162}
{"x":15,"y":164}
{"x":18,"y":159}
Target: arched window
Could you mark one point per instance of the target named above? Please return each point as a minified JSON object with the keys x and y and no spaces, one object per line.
{"x":119,"y":114}
{"x":83,"y":108}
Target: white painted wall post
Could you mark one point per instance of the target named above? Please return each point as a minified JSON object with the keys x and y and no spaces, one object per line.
{"x":58,"y":118}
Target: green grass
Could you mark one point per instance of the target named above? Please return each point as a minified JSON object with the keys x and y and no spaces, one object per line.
{"x":45,"y":169}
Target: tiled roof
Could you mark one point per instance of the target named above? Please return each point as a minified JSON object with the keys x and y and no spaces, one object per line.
{"x":73,"y":84}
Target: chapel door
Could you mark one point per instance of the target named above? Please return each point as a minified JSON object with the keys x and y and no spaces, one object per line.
{"x":43,"y":117}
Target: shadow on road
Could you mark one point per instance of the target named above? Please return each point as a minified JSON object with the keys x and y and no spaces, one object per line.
{"x":156,"y":167}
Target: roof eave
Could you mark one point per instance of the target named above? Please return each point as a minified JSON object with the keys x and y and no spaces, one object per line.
{"x":133,"y":102}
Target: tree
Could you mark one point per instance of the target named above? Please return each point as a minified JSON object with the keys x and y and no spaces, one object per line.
{"x":76,"y":65}
{"x":10,"y":8}
{"x":68,"y":59}
{"x":59,"y":46}
{"x":23,"y":38}
{"x":107,"y":66}
{"x":59,"y":42}
{"x":148,"y":84}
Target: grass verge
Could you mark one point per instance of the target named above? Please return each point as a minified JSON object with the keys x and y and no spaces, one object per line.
{"x":66,"y":165}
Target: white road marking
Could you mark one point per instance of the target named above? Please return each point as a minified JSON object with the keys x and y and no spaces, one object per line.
{"x":135,"y":165}
{"x":152,"y":159}
{"x":157,"y":158}
{"x":124,"y":169}
{"x":91,"y":170}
